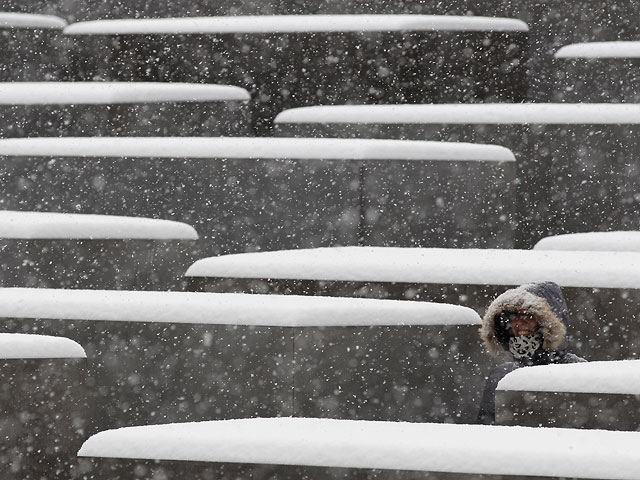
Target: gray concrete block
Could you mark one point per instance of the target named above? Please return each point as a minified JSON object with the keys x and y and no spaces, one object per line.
{"x":606,"y":80}
{"x":318,"y":68}
{"x":591,"y":160}
{"x":241,"y":194}
{"x":137,"y":119}
{"x":440,"y":204}
{"x":41,"y":249}
{"x":603,"y":320}
{"x":147,"y":365}
{"x":234,"y":205}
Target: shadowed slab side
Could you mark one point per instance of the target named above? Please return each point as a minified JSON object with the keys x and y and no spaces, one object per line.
{"x":568,"y":410}
{"x":412,"y":373}
{"x":112,"y":264}
{"x":32,"y":47}
{"x":68,"y":109}
{"x":235,"y":205}
{"x":440,"y":204}
{"x":147,"y":373}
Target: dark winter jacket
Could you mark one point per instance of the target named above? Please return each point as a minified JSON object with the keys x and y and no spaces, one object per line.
{"x":543,"y":300}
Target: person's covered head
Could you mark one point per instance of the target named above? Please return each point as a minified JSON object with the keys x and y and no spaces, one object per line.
{"x":527,"y":321}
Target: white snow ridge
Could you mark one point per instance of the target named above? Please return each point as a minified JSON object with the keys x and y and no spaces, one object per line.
{"x":255,"y":24}
{"x":253,"y":148}
{"x":18,"y":345}
{"x":592,"y":241}
{"x":45,"y":225}
{"x":629,"y":49}
{"x":430,"y":265}
{"x":616,"y":377}
{"x":475,"y":449}
{"x":104,"y":93}
{"x":226,"y":308}
{"x":477,"y":113}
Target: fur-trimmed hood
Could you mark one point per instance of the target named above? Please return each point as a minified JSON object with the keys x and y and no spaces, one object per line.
{"x":544,"y":300}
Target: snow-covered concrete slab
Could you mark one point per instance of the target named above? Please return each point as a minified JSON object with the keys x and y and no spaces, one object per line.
{"x":18,"y":345}
{"x":297,"y":23}
{"x":32,"y":21}
{"x":243,"y":147}
{"x":102,"y":93}
{"x":593,"y":241}
{"x":226,"y":308}
{"x":493,"y":113}
{"x":43,"y":404}
{"x":45,"y":225}
{"x":431,"y":447}
{"x":430,"y":265}
{"x":620,"y":49}
{"x":616,"y":377}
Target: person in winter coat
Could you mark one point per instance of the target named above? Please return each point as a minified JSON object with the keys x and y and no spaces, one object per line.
{"x":530,"y":323}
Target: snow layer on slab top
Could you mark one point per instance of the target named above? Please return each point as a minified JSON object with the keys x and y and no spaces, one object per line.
{"x":617,"y":377}
{"x":430,"y":265}
{"x":226,"y":308}
{"x":600,"y":50}
{"x":28,"y":20}
{"x":257,"y":148}
{"x":296,"y":23}
{"x":45,"y":225}
{"x":592,"y":241}
{"x":18,"y":345}
{"x":105,"y":93}
{"x":479,"y":449}
{"x":488,"y":113}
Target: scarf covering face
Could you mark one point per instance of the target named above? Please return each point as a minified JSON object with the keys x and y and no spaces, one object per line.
{"x":525,"y":346}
